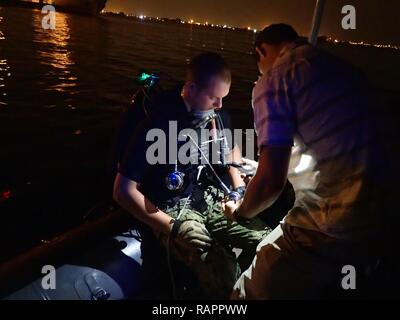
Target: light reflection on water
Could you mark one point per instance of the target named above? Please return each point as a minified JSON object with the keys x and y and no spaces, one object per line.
{"x":56,"y":55}
{"x":4,"y":69}
{"x":90,"y":63}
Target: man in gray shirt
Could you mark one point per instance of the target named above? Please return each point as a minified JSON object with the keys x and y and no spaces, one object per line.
{"x":316,"y":124}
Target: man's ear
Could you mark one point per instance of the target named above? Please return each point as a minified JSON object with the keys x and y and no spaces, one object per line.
{"x":260,"y":53}
{"x":264,"y":49}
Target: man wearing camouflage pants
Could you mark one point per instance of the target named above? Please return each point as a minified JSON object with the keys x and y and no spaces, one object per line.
{"x":181,"y":202}
{"x":217,"y":267}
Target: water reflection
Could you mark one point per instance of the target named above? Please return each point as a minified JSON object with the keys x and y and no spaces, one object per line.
{"x":4,"y":67}
{"x":54,"y":53}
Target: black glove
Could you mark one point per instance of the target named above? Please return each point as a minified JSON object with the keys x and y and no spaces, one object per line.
{"x":191,"y":234}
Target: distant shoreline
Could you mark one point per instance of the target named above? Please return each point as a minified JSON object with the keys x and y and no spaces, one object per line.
{"x":177,"y":21}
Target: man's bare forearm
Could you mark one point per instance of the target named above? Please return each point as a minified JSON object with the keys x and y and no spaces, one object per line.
{"x":132,"y":200}
{"x":258,"y":197}
{"x":267,"y":184}
{"x":236,"y":179}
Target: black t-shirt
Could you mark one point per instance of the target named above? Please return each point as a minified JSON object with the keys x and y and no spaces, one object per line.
{"x":135,"y":166}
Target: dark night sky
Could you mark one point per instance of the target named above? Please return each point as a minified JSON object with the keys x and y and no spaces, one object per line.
{"x":377,"y":21}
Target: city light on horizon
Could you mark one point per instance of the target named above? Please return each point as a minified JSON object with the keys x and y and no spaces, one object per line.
{"x":371,"y":27}
{"x":329,"y":38}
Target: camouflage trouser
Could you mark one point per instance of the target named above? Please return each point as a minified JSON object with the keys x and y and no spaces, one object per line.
{"x":218,"y":268}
